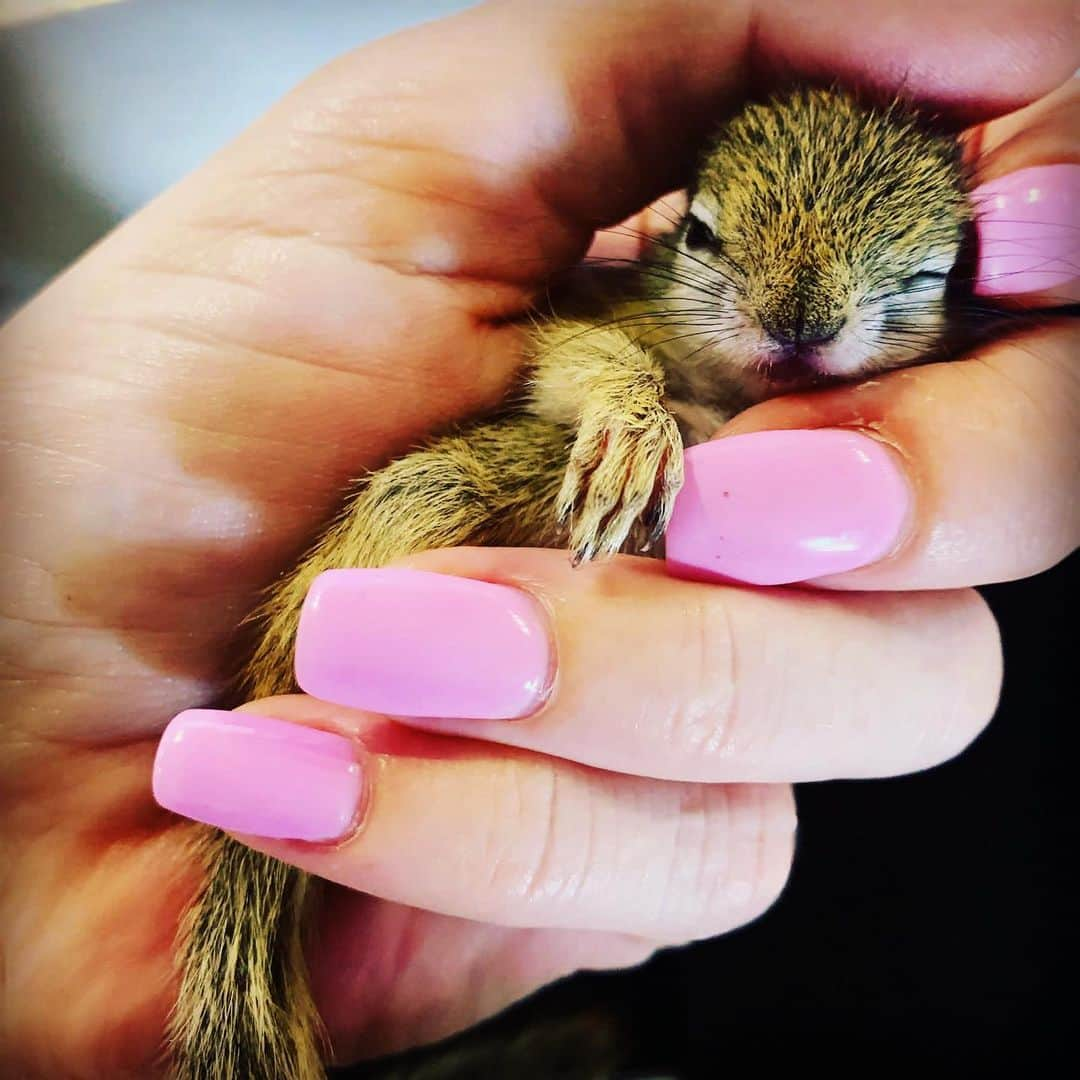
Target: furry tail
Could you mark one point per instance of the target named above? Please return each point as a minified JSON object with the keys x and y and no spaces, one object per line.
{"x":244,"y":1010}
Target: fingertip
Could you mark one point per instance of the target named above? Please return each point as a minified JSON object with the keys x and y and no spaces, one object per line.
{"x":780,"y":507}
{"x":259,"y":775}
{"x":411,"y":643}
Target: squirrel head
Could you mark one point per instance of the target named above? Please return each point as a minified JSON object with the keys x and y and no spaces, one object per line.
{"x":824,"y":230}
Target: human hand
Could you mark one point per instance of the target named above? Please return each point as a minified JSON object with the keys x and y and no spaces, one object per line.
{"x":185,"y":406}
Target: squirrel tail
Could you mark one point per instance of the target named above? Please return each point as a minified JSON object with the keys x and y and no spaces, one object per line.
{"x":244,"y":1010}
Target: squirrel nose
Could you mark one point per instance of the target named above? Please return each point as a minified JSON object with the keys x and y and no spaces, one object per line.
{"x":796,"y":323}
{"x":793,"y":331}
{"x":802,"y":336}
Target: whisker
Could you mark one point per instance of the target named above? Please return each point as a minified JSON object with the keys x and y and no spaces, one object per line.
{"x":659,"y":241}
{"x":661,"y":271}
{"x":987,"y":213}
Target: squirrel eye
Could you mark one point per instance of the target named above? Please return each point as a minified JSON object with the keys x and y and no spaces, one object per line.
{"x":923,"y":280}
{"x":699,"y":235}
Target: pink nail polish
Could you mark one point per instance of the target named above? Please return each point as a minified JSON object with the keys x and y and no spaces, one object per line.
{"x":1028,"y":225}
{"x":775,"y":507}
{"x":256,"y":775}
{"x":413,"y":643}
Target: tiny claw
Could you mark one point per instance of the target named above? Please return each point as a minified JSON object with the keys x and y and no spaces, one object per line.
{"x":653,"y":522}
{"x":620,"y":492}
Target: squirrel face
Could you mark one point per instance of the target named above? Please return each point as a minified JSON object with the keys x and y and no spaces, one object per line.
{"x":824,"y":231}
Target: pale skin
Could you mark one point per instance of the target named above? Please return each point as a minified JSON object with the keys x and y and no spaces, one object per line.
{"x":183,"y":408}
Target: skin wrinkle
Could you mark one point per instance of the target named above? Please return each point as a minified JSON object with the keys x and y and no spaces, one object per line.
{"x":540,"y":879}
{"x":778,"y":714}
{"x":700,"y":724}
{"x":524,"y":875}
{"x":321,"y":334}
{"x":180,"y":332}
{"x":665,"y":910}
{"x":721,"y":741}
{"x":698,"y":854}
{"x":148,"y":270}
{"x":21,"y":392}
{"x":505,"y":208}
{"x":539,"y":143}
{"x":509,"y":198}
{"x":747,"y":884}
{"x":707,"y":885}
{"x":493,"y":846}
{"x":1052,"y":412}
{"x":375,"y":252}
{"x":215,"y":433}
{"x":579,"y":878}
{"x":590,"y":852}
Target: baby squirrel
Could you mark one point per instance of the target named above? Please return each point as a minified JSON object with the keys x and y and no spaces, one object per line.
{"x":820,"y":235}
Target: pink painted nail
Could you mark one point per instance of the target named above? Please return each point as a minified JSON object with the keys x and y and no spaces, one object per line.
{"x":252,"y":774}
{"x":413,"y":643}
{"x":775,"y":507}
{"x":1029,"y":230}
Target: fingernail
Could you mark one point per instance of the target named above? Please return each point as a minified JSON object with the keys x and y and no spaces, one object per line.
{"x":256,"y":775}
{"x":413,"y":643}
{"x":775,"y":507}
{"x":1028,"y":225}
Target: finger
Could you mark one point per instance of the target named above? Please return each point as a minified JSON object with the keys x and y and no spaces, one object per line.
{"x":623,"y":243}
{"x":1041,"y":133}
{"x":387,"y":977}
{"x":989,"y":448}
{"x":1028,"y":214}
{"x":476,"y":831}
{"x":621,"y":667}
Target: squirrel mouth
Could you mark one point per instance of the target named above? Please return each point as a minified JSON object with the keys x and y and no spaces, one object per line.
{"x":791,"y":368}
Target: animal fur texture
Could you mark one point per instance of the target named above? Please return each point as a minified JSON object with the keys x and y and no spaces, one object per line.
{"x":816,"y":248}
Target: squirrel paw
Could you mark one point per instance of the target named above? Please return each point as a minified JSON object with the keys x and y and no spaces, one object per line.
{"x":623,"y":469}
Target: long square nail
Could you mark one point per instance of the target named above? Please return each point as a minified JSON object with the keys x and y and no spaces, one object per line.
{"x":257,"y":775}
{"x":413,"y":643}
{"x":776,"y":507}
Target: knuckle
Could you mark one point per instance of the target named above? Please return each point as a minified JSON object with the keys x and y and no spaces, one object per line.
{"x":538,"y":860}
{"x":702,"y":725}
{"x":516,"y":830}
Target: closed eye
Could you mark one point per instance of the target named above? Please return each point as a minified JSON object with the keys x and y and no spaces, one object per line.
{"x":925,"y":279}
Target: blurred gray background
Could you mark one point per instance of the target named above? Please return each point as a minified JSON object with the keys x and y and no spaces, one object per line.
{"x":102,"y":108}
